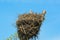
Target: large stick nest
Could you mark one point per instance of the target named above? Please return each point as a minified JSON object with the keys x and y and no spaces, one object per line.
{"x":28,"y":25}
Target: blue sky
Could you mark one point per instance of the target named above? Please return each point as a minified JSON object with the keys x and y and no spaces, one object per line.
{"x":10,"y":9}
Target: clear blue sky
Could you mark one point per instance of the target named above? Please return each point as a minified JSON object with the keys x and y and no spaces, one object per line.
{"x":10,"y":9}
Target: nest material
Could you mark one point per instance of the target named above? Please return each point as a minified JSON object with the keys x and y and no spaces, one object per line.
{"x":28,"y":25}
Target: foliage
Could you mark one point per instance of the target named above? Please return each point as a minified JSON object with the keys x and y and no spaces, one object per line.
{"x":13,"y":37}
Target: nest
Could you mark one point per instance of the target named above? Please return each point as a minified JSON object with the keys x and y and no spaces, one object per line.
{"x":28,"y":25}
